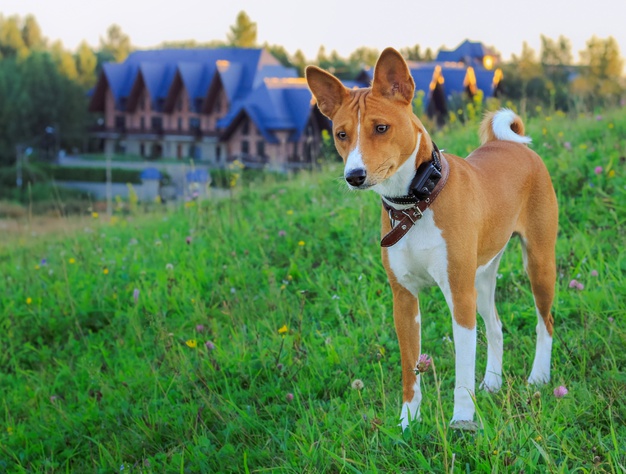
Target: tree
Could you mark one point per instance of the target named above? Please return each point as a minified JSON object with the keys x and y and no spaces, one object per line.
{"x":528,"y":71}
{"x":11,"y":41}
{"x":64,"y":60}
{"x":36,"y":96}
{"x":86,"y":63}
{"x":600,"y":78}
{"x":364,"y":56}
{"x":413,"y":53}
{"x":556,"y":60}
{"x":300,"y":61}
{"x":280,"y":53}
{"x":32,"y":35}
{"x":116,"y":44}
{"x":244,"y":32}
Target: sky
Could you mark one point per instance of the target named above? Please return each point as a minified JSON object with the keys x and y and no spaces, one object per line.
{"x":341,"y":25}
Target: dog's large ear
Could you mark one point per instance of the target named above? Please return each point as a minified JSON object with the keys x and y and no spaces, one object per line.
{"x":392,"y":77}
{"x":328,"y":91}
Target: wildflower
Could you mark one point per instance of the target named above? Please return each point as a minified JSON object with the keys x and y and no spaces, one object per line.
{"x":282,"y":287}
{"x":233,"y":291}
{"x":199,"y":327}
{"x":169,"y":267}
{"x":282,"y":233}
{"x":191,"y":343}
{"x":538,"y":438}
{"x":358,"y":384}
{"x":43,"y":262}
{"x":136,"y":295}
{"x":567,"y":145}
{"x":598,"y":170}
{"x":612,"y":174}
{"x":423,"y":363}
{"x":594,"y":273}
{"x":289,"y":397}
{"x":290,"y":212}
{"x":53,"y":398}
{"x":610,"y":319}
{"x":105,"y":271}
{"x":598,"y":117}
{"x":283,"y":329}
{"x":560,"y":391}
{"x":94,"y":215}
{"x":188,"y":240}
{"x":302,"y":243}
{"x":611,"y":125}
{"x":29,"y":300}
{"x":209,"y":345}
{"x":577,"y":285}
{"x":582,"y":146}
{"x":37,"y":267}
{"x":10,"y":430}
{"x":72,"y":261}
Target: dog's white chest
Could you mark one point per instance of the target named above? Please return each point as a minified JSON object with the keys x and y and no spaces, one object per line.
{"x":419,"y":259}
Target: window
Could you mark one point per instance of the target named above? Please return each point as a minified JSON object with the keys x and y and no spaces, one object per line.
{"x":120,"y":122}
{"x":157,"y":124}
{"x":198,"y":103}
{"x":218,"y":153}
{"x":142,"y":149}
{"x":180,"y":124}
{"x":260,"y":148}
{"x":245,"y":147}
{"x":194,"y":124}
{"x":142,"y":123}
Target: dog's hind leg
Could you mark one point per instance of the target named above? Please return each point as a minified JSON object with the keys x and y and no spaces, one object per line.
{"x":538,"y":247}
{"x":486,"y":305}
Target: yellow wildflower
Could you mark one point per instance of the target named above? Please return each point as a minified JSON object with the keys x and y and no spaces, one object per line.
{"x":282,"y":287}
{"x":72,"y":261}
{"x":538,"y":438}
{"x":191,"y":343}
{"x":29,"y":300}
{"x":302,"y":243}
{"x":612,"y":174}
{"x":611,"y":125}
{"x":289,"y":212}
{"x":105,"y":271}
{"x":583,"y":146}
{"x":94,"y":215}
{"x":283,"y":330}
{"x":36,"y":267}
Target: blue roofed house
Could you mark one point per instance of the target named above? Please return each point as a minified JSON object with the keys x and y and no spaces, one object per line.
{"x":459,"y":72}
{"x":213,"y":105}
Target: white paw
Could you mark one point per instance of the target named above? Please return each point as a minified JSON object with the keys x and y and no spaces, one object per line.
{"x":464,"y":425}
{"x":492,"y":383}
{"x":408,"y":415}
{"x":539,"y":378}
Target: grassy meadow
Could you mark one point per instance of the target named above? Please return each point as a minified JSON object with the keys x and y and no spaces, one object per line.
{"x":226,"y":337}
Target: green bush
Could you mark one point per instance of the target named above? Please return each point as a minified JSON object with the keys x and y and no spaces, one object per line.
{"x":94,"y":175}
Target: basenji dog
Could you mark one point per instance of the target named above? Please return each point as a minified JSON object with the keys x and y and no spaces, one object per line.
{"x":446,"y":221}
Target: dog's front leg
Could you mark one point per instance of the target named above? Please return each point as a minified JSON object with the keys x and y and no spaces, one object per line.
{"x":460,"y":295}
{"x":407,"y":321}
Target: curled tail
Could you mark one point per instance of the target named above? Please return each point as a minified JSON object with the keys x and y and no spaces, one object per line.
{"x":503,"y":124}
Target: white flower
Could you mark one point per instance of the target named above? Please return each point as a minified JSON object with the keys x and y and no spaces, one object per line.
{"x":169,"y":266}
{"x":357,"y":384}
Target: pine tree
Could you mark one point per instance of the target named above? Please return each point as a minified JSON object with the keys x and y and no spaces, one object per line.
{"x":244,"y":32}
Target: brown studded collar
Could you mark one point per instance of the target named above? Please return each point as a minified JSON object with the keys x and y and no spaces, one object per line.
{"x":403,"y":219}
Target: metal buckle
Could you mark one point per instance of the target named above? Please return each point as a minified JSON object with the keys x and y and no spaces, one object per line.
{"x":413,"y":212}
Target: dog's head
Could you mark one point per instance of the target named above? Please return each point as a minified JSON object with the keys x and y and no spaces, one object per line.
{"x":376,"y":133}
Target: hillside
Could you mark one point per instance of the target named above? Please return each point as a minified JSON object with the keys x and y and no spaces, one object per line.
{"x":226,"y":336}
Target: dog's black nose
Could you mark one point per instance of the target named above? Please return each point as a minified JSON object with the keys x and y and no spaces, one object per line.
{"x":356,"y":177}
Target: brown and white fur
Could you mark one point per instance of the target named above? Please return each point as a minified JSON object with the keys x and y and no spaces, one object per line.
{"x":501,"y":189}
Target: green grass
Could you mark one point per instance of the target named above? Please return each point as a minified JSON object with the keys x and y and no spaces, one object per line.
{"x":91,"y":381}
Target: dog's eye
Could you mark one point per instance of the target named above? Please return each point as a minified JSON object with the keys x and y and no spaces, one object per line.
{"x":342,"y":135}
{"x":382,"y":128}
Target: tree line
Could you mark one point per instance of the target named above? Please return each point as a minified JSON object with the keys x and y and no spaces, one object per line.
{"x":43,"y":85}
